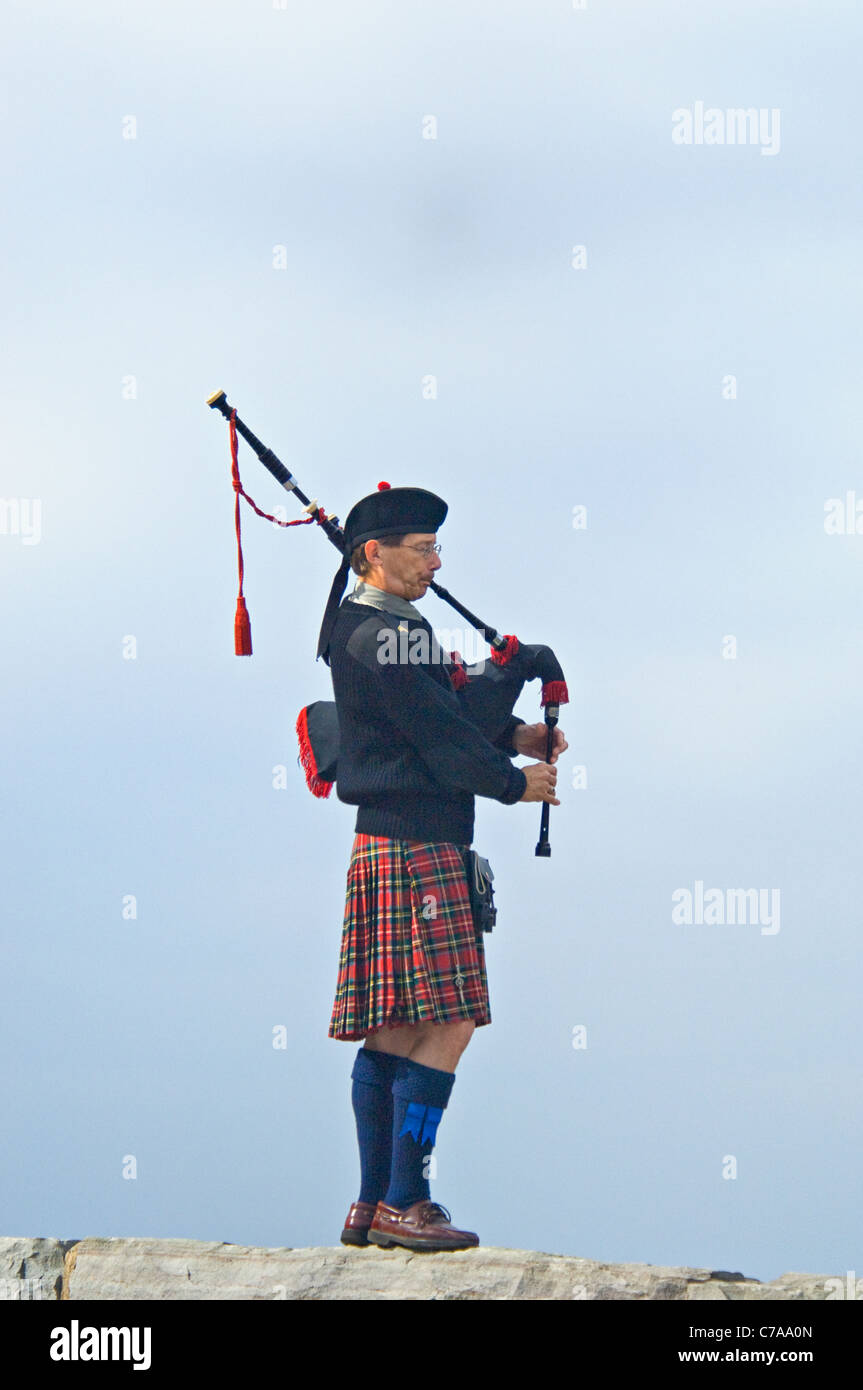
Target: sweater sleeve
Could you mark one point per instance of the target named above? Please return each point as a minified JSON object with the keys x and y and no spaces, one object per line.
{"x":504,"y":739}
{"x":427,"y":714}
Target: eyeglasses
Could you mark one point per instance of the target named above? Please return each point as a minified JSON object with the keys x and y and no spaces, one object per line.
{"x":426,"y":550}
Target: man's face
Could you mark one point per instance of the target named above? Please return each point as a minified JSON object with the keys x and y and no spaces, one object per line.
{"x":399,"y":569}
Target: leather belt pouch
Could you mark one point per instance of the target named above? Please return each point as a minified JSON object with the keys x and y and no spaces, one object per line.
{"x":479,"y":883}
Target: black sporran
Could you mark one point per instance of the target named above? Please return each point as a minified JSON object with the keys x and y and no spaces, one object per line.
{"x":479,"y":881}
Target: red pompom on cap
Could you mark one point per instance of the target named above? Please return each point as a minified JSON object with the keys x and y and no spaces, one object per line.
{"x":382,"y":487}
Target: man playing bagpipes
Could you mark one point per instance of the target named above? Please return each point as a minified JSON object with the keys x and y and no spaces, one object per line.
{"x":410,"y":740}
{"x":417,"y":742}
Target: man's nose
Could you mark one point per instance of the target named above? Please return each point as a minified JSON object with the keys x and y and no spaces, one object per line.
{"x":436,"y":561}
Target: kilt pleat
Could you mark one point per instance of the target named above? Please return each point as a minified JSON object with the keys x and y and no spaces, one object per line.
{"x":409,"y":952}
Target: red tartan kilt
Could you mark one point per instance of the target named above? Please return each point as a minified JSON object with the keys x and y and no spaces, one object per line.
{"x":409,"y":952}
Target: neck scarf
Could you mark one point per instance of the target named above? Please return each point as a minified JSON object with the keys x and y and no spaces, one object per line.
{"x":379,"y":598}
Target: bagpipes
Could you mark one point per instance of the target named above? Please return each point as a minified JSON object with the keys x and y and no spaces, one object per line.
{"x":487,"y":697}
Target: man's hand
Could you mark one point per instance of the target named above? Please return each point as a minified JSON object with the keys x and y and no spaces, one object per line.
{"x":541,"y":778}
{"x":530,"y":741}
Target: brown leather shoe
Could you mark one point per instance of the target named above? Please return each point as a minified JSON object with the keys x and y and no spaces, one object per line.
{"x":424,"y":1226}
{"x":359,"y":1219}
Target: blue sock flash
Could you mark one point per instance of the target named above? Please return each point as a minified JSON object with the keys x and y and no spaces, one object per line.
{"x":420,"y":1096}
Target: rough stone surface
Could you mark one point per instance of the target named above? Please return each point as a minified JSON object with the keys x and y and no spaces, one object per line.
{"x":112,"y":1268}
{"x":31,"y":1267}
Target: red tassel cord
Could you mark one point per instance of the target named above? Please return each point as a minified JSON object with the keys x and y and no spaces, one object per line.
{"x":242,"y":622}
{"x":316,"y":785}
{"x":242,"y":627}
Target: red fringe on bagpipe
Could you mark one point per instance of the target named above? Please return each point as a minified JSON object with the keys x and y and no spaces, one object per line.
{"x":555,"y":693}
{"x":457,"y":673}
{"x":316,"y":785}
{"x":500,"y":658}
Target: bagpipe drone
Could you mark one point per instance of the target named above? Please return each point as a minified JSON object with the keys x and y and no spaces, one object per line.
{"x":487,"y":696}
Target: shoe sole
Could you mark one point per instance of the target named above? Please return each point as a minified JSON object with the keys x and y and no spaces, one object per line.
{"x":349,"y":1237}
{"x":413,"y":1243}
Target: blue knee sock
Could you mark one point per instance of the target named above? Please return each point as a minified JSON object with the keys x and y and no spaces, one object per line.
{"x":371,"y":1094}
{"x":420,"y":1095}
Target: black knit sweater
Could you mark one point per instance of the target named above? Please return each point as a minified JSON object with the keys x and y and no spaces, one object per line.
{"x":409,"y":757}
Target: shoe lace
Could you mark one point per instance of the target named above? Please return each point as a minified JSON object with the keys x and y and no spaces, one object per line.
{"x":431,"y":1211}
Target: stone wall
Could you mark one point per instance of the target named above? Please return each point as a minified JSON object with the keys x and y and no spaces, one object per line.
{"x":110,"y":1268}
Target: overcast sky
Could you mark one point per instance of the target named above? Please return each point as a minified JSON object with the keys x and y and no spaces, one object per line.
{"x":466,"y":247}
